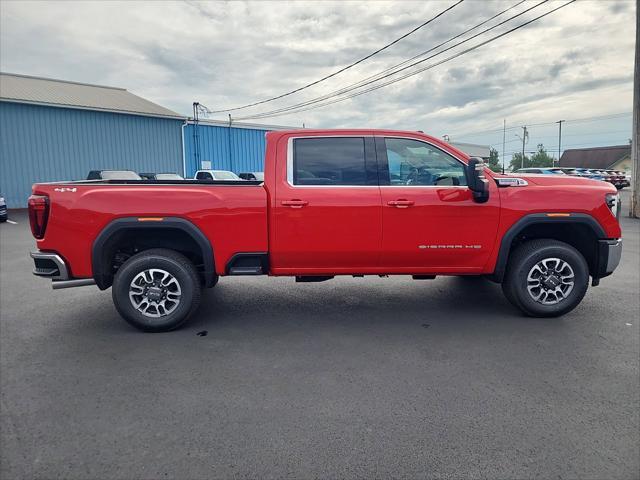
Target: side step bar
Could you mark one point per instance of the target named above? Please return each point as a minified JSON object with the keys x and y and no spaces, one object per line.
{"x":257,"y":270}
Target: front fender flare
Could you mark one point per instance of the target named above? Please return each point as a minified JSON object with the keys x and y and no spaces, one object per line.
{"x":538,"y":218}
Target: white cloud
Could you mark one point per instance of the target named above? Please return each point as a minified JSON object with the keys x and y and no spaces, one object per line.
{"x":575,"y":63}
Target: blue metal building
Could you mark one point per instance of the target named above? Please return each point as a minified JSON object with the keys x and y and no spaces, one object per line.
{"x":216,"y":145}
{"x":54,"y":130}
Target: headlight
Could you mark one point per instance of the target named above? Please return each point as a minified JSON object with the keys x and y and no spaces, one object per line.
{"x":613,"y":202}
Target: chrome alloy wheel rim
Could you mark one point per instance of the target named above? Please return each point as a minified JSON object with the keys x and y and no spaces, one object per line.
{"x":155,"y":293}
{"x":550,"y":281}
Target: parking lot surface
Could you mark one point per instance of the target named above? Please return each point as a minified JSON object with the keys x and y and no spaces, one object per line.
{"x":355,"y":377}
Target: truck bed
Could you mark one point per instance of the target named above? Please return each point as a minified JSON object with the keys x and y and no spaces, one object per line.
{"x":232,"y":214}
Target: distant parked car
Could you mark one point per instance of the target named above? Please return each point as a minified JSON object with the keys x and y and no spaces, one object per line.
{"x":161,"y":176}
{"x":216,"y":175}
{"x":581,"y":172}
{"x":113,"y":175}
{"x":3,"y":209}
{"x":259,"y":176}
{"x":618,"y":178}
{"x":542,"y":170}
{"x":592,"y":174}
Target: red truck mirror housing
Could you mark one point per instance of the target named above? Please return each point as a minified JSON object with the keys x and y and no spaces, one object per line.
{"x":476,"y":180}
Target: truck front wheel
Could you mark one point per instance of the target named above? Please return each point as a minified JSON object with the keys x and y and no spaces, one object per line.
{"x":546,"y":278}
{"x":156,"y":290}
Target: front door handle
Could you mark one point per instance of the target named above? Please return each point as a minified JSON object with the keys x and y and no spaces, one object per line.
{"x":402,"y":203}
{"x":295,"y":203}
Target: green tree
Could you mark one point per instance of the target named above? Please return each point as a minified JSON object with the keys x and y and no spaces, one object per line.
{"x":494,"y":160}
{"x":539,"y":159}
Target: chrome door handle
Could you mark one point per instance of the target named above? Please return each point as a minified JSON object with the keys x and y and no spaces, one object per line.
{"x":400,"y":203}
{"x":295,"y":203}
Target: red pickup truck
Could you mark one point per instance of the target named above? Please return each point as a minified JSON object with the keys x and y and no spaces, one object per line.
{"x":333,"y":202}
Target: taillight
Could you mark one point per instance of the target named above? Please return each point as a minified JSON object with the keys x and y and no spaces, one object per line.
{"x":38,"y":214}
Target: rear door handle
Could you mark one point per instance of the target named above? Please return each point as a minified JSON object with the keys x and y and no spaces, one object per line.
{"x":400,"y":203}
{"x":295,"y":203}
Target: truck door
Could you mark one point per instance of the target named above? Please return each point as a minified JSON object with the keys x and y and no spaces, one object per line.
{"x":326,"y":217}
{"x":431,"y":223}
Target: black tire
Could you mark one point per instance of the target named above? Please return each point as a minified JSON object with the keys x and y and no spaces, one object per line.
{"x":521,"y":262}
{"x":184,"y":274}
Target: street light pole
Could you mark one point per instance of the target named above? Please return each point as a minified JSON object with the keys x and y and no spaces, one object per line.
{"x":559,"y":122}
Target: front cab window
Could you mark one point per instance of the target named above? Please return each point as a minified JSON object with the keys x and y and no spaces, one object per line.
{"x":416,"y":163}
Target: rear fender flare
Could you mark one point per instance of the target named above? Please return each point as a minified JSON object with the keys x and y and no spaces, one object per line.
{"x":101,"y":267}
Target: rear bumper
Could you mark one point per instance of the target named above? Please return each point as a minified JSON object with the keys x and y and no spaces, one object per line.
{"x":51,"y":265}
{"x":609,"y":254}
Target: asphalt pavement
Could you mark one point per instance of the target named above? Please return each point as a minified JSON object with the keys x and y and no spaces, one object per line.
{"x":351,"y":378}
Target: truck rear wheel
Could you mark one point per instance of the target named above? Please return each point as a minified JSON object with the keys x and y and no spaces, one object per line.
{"x":156,"y":290}
{"x":546,"y":278}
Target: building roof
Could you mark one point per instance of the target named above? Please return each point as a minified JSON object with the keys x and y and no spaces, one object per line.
{"x":594,"y":157}
{"x":62,"y":93}
{"x":472,"y":149}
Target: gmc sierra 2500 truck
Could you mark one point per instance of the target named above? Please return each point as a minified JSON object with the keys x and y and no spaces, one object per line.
{"x":333,"y":202}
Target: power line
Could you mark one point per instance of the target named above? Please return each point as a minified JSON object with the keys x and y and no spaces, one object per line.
{"x":381,"y":75}
{"x":576,"y":120}
{"x":296,"y":107}
{"x":344,"y":68}
{"x":591,"y":144}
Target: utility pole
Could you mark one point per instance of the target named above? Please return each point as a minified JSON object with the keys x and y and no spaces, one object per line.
{"x":634,"y":208}
{"x":559,"y":122}
{"x":504,"y":133}
{"x":524,"y":138}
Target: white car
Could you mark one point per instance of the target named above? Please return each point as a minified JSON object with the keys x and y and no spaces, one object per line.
{"x":3,"y":209}
{"x":216,"y":175}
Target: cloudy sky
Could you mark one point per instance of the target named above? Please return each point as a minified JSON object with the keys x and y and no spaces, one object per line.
{"x":575,"y":64}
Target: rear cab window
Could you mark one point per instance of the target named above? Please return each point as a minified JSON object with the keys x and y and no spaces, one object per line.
{"x":333,"y":161}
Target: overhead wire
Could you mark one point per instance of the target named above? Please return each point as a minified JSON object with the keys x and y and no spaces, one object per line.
{"x":351,"y":65}
{"x":298,"y":108}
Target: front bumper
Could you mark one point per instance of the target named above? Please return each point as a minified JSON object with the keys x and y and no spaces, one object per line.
{"x":609,"y":254}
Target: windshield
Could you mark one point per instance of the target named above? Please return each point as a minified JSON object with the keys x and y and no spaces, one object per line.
{"x":224,"y":175}
{"x":259,"y":176}
{"x":168,"y":176}
{"x":120,"y":175}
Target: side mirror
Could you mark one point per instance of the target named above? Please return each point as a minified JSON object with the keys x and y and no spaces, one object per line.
{"x":476,"y":180}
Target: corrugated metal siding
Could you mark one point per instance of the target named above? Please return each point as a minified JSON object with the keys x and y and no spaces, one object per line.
{"x":44,"y":144}
{"x":235,"y":149}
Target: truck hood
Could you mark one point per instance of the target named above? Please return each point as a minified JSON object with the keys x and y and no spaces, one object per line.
{"x":559,"y":180}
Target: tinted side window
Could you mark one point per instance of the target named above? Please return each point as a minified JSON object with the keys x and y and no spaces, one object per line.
{"x":204,"y":176}
{"x":412,"y":162}
{"x":329,"y":161}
